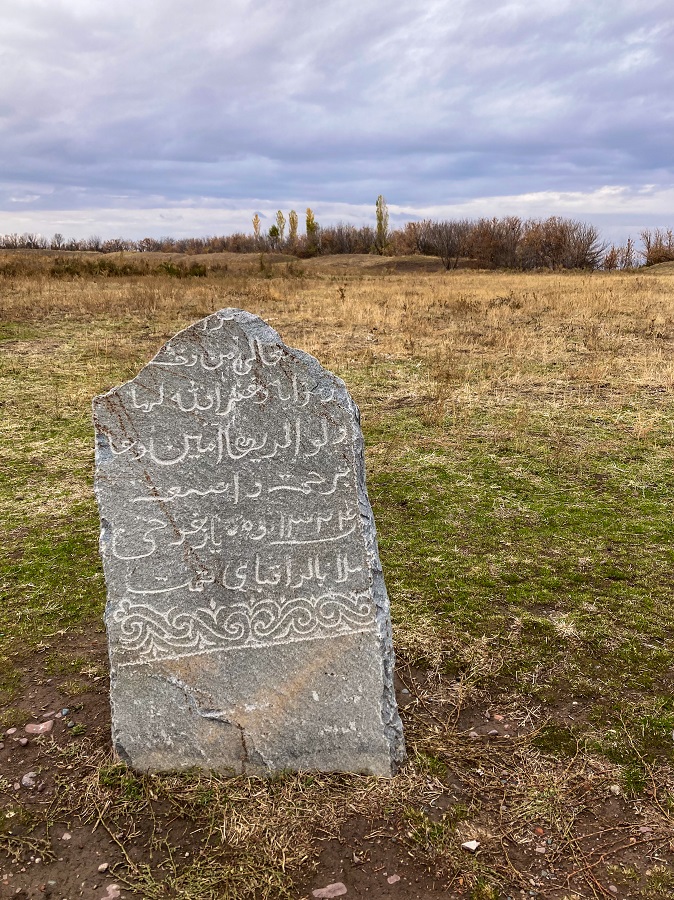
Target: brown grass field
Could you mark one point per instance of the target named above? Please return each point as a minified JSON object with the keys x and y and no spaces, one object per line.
{"x":519,"y":432}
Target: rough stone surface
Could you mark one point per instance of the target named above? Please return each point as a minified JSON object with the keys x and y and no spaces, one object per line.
{"x":40,"y":727}
{"x":247,"y":617}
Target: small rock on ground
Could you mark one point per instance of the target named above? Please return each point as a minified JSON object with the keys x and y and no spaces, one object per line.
{"x":337,"y":889}
{"x":40,"y":727}
{"x":113,"y":892}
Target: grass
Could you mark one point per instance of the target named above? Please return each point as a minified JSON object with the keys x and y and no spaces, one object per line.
{"x":522,"y":543}
{"x":519,"y":432}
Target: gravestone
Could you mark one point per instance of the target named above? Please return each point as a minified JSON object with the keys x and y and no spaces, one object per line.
{"x":248,"y":622}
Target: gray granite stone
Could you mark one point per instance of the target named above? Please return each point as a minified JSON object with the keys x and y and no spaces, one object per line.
{"x":248,"y":622}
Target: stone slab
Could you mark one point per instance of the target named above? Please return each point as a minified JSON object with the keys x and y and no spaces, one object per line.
{"x":247,"y":618}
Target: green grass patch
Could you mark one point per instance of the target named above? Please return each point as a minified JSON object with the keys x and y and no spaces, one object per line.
{"x":553,"y":542}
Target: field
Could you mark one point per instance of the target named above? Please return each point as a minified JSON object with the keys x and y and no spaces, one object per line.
{"x":519,"y":433}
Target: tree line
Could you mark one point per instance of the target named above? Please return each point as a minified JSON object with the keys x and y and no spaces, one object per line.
{"x":509,"y":242}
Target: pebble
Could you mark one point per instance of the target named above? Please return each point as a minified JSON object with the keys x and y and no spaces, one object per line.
{"x":493,"y":733}
{"x":539,"y":830}
{"x":28,"y":780}
{"x":10,"y":731}
{"x":470,"y":846}
{"x":615,"y":789}
{"x":66,"y":836}
{"x":644,"y":829}
{"x":337,"y":889}
{"x":497,"y":718}
{"x":613,"y":889}
{"x":23,"y":741}
{"x":104,"y":867}
{"x":393,"y":879}
{"x":473,"y":735}
{"x":64,"y":712}
{"x":404,"y":691}
{"x":49,"y":715}
{"x":40,"y":727}
{"x":113,"y":892}
{"x":2,"y":746}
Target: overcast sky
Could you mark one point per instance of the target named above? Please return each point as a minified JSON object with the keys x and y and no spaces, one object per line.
{"x":154,"y":117}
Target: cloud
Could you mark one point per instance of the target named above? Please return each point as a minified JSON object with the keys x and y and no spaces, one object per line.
{"x":457,"y":102}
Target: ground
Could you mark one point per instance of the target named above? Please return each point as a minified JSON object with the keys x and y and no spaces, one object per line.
{"x":519,"y":452}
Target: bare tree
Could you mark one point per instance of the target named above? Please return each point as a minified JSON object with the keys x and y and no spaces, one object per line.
{"x":627,"y":257}
{"x":447,"y":240}
{"x":612,"y":258}
{"x":148,"y":245}
{"x":658,"y":246}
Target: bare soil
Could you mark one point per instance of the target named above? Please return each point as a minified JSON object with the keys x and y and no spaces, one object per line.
{"x":59,"y":856}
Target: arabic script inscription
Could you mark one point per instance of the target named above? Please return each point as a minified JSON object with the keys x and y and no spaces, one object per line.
{"x":227,"y":483}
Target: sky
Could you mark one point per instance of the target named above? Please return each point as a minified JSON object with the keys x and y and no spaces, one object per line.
{"x":156,"y":117}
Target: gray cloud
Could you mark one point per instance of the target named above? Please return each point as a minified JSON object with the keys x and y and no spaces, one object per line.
{"x":148,"y":105}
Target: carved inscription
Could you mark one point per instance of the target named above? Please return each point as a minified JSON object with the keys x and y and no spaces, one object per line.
{"x":238,"y":520}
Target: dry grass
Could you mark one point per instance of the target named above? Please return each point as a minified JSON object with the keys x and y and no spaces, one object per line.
{"x":519,"y":429}
{"x":255,"y":837}
{"x":445,"y":342}
{"x":484,"y":333}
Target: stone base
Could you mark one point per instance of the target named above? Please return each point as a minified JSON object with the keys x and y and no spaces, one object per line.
{"x":317,"y":705}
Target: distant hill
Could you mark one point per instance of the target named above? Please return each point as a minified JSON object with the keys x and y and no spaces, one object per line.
{"x":664,"y":268}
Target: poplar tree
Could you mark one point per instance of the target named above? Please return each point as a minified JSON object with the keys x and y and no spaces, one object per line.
{"x":312,"y":225}
{"x":293,"y":223}
{"x":281,"y":225}
{"x":312,"y":231}
{"x":256,"y":226}
{"x":382,"y":233}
